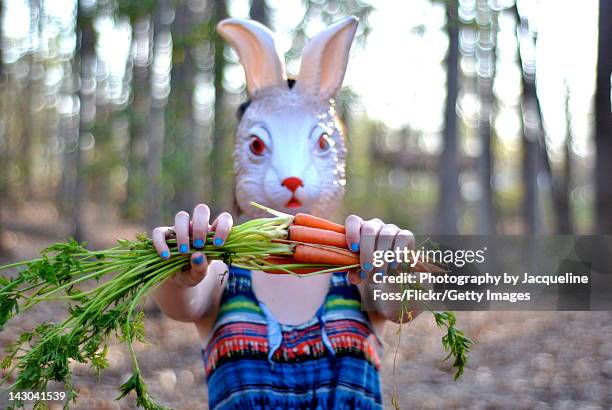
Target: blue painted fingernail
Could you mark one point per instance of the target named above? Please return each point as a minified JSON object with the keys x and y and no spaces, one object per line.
{"x":355,"y":247}
{"x":362,"y":275}
{"x":368,"y":267}
{"x":198,"y":243}
{"x":183,"y":248}
{"x":218,"y":241}
{"x":165,"y":254}
{"x":198,"y":260}
{"x":393,"y":265}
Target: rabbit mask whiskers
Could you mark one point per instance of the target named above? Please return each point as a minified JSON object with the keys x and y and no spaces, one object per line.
{"x":290,"y":152}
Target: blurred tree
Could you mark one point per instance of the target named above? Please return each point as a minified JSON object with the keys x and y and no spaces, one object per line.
{"x":139,"y":63}
{"x":185,"y":164}
{"x":530,"y":127}
{"x":141,"y":59}
{"x":565,"y":222}
{"x":535,"y":151}
{"x":84,"y":60}
{"x":103,"y":157}
{"x":448,"y":166}
{"x":603,"y":122}
{"x":160,"y":88}
{"x":25,"y":101}
{"x":486,"y":18}
{"x":221,"y":158}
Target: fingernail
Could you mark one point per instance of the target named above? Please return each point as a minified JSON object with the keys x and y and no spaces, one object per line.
{"x":218,"y":241}
{"x":165,"y":254}
{"x":368,"y":267}
{"x":362,"y":275}
{"x":183,"y":248}
{"x":355,"y":247}
{"x":198,"y":243}
{"x":393,"y":265}
{"x":198,"y":260}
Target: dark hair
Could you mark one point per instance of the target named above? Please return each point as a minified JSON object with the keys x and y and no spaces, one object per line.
{"x":243,"y":107}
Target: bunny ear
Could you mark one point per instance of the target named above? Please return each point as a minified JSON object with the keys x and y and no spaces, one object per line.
{"x":324,"y":59}
{"x":255,"y":47}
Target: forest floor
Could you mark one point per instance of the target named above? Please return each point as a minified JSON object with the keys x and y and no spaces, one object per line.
{"x":521,"y":360}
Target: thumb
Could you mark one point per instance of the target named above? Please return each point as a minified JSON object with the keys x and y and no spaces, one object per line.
{"x":199,"y":266}
{"x":356,"y":276}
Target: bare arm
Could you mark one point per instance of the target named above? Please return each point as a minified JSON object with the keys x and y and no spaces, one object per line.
{"x":191,"y":303}
{"x":194,"y":293}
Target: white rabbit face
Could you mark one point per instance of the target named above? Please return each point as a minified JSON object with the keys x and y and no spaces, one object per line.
{"x":289,"y":154}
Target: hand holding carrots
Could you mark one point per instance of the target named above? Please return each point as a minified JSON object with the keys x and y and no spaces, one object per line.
{"x":192,"y":232}
{"x":321,"y":241}
{"x":368,"y":236}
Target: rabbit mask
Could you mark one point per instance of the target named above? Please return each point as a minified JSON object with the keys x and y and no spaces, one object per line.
{"x":290,"y":152}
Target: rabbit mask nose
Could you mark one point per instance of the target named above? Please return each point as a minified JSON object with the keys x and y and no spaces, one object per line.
{"x":292,"y":183}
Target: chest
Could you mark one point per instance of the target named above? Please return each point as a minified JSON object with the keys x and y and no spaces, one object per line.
{"x":291,"y":299}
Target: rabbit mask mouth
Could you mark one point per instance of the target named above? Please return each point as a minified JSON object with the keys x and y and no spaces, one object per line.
{"x":289,"y":150}
{"x":293,"y":203}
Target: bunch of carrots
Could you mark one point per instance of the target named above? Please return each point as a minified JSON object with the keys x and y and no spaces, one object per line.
{"x":104,"y":291}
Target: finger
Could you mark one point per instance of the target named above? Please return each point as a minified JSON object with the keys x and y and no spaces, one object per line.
{"x":159,"y":241}
{"x":200,"y":225}
{"x":384,"y":242}
{"x":199,"y":266}
{"x":352,"y":226}
{"x":222,"y":226}
{"x":356,"y":276}
{"x":367,"y":242}
{"x":181,"y":227}
{"x":403,"y":240}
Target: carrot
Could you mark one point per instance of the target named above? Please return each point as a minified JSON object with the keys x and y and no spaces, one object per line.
{"x":319,"y":236}
{"x":316,"y":222}
{"x":280,"y":260}
{"x":328,"y":256}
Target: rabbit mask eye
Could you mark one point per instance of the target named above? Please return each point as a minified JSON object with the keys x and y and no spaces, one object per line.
{"x":323,"y":144}
{"x":257,"y":146}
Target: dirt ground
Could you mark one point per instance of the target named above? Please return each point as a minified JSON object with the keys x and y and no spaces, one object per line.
{"x":522,"y":360}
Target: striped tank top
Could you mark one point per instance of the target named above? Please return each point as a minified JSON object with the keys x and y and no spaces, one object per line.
{"x":254,"y":362}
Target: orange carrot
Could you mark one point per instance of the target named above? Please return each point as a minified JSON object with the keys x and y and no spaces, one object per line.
{"x":280,"y":260}
{"x":307,"y":234}
{"x":316,"y":222}
{"x":314,"y":254}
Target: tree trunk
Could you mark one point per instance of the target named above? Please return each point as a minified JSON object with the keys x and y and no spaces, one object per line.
{"x":136,"y":182}
{"x":85,"y":62}
{"x":157,"y":123}
{"x":603,"y":122}
{"x":25,"y":144}
{"x":530,"y":129}
{"x":188,"y":161}
{"x":221,"y":159}
{"x":564,"y":220}
{"x":486,"y":59}
{"x":448,"y":200}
